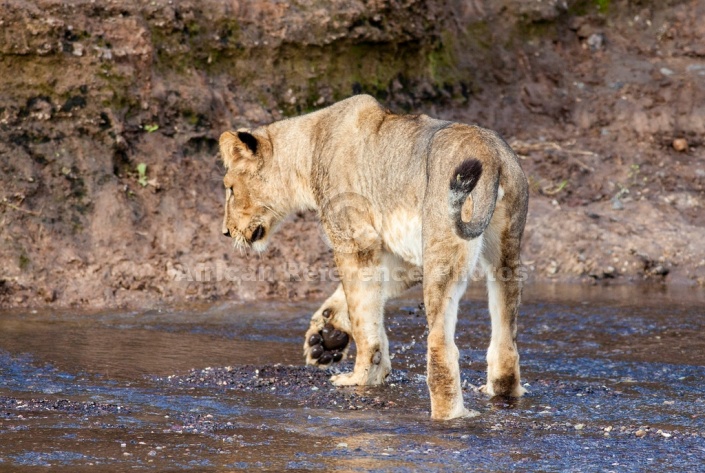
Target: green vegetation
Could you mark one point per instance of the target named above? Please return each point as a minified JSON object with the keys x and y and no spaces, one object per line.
{"x":23,"y":261}
{"x":602,"y":5}
{"x":142,"y":174}
{"x":584,"y":7}
{"x":561,"y":186}
{"x":634,"y":171}
{"x":554,"y":189}
{"x":334,"y":70}
{"x":442,"y":61}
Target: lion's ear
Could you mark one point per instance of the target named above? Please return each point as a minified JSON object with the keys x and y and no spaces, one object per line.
{"x":237,"y":145}
{"x":248,"y":140}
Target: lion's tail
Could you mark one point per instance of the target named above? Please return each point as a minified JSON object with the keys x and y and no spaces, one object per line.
{"x":473,"y":195}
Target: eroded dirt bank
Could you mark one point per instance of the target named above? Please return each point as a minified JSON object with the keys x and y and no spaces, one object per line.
{"x":604,"y":100}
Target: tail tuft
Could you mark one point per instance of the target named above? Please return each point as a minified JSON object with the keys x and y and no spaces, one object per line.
{"x":478,"y":189}
{"x":466,"y":176}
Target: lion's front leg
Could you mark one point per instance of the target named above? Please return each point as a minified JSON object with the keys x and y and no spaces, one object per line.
{"x":327,"y":339}
{"x":363,"y":288}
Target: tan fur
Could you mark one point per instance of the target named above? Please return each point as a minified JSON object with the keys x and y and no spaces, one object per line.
{"x":466,"y":210}
{"x":399,"y":196}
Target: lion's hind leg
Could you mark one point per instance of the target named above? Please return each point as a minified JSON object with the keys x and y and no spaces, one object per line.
{"x":447,"y":265}
{"x":500,"y":260}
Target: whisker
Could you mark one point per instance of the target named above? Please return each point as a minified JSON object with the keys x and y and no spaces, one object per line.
{"x":240,"y":243}
{"x":276,"y":214}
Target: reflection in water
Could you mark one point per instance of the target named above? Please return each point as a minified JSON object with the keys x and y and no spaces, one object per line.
{"x":131,"y":352}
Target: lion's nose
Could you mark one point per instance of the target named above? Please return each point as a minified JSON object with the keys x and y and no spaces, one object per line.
{"x":227,"y":233}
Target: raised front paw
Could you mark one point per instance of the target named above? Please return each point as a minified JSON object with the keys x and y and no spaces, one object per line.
{"x":327,"y":346}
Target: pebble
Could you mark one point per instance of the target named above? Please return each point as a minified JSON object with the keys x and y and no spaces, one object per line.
{"x":596,"y":41}
{"x":680,"y":144}
{"x":579,"y":426}
{"x":342,"y":445}
{"x":640,"y":433}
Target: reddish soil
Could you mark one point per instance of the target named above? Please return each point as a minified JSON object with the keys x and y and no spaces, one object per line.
{"x":605,"y":106}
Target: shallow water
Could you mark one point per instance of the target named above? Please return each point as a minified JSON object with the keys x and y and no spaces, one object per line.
{"x":614,"y":379}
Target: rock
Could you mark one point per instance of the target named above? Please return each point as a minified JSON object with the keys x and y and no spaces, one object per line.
{"x":540,"y":11}
{"x":552,"y":268}
{"x":640,"y":433}
{"x":596,"y":41}
{"x":585,"y":30}
{"x":680,"y":144}
{"x":659,"y":270}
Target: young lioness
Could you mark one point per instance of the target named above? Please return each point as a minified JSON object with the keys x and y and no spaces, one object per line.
{"x":401,"y":198}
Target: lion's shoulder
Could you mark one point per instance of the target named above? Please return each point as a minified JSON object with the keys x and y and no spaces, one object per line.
{"x":361,"y":101}
{"x":363,"y":106}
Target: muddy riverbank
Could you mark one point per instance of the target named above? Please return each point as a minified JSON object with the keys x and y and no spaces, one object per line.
{"x":603,"y":100}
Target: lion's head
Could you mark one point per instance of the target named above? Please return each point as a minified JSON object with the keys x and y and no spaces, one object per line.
{"x":250,"y":216}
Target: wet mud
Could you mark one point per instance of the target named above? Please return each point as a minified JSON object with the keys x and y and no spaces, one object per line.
{"x":614,"y":379}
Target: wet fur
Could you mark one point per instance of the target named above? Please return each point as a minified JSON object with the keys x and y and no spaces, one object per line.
{"x":401,"y":194}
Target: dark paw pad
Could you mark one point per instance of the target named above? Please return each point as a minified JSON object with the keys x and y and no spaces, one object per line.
{"x":316,"y":351}
{"x":334,"y":339}
{"x":328,"y":344}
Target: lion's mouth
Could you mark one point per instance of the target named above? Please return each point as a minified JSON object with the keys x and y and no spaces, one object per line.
{"x":257,"y":234}
{"x":255,"y":240}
